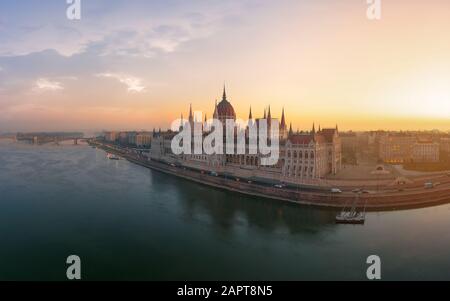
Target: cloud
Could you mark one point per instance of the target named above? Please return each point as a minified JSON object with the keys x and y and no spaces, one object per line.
{"x":44,"y":84}
{"x":141,"y":40}
{"x":145,"y":28}
{"x":146,"y":43}
{"x":134,"y":84}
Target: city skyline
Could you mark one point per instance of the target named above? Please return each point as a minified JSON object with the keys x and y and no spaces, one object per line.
{"x":324,"y":62}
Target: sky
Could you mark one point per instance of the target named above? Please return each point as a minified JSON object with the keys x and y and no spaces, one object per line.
{"x":138,"y":64}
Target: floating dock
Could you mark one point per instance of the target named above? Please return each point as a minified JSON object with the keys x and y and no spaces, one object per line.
{"x":352,"y":216}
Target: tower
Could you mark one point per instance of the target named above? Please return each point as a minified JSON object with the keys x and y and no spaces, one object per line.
{"x":224,"y":109}
{"x":216,"y":114}
{"x":283,"y":127}
{"x":224,"y":96}
{"x":191,"y":116}
{"x":181,"y":123}
{"x":250,"y":117}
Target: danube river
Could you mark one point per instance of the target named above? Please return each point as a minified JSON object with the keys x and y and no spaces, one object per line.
{"x":127,"y":222}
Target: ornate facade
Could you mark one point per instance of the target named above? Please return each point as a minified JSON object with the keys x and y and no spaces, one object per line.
{"x":303,"y":156}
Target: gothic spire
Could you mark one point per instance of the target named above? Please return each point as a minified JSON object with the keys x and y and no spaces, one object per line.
{"x":283,"y":120}
{"x":224,"y":97}
{"x":181,"y":123}
{"x":314,"y":128}
{"x":216,"y":114}
{"x":191,"y":117}
{"x":250,"y":116}
{"x":269,"y":116}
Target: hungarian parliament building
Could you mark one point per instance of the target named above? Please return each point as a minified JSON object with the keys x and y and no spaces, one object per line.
{"x":304,"y":157}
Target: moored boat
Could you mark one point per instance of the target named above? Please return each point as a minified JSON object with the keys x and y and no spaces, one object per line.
{"x":112,"y":157}
{"x":351,"y":218}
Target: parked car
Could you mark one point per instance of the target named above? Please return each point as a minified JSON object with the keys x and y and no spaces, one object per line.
{"x":336,"y":190}
{"x":429,"y":185}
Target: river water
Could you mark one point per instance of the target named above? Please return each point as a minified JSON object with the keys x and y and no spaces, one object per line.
{"x":127,"y":222}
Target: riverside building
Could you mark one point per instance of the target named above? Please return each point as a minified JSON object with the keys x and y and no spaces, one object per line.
{"x":304,"y":157}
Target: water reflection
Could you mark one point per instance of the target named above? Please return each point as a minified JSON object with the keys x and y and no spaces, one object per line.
{"x":225,"y":210}
{"x":133,"y":223}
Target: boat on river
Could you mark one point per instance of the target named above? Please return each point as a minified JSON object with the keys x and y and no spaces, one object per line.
{"x":352,"y":216}
{"x":112,"y":157}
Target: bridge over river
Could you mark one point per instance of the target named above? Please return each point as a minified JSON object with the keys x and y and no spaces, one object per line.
{"x":45,"y":138}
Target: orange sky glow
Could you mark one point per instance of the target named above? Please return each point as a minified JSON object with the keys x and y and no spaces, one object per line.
{"x":323,"y":62}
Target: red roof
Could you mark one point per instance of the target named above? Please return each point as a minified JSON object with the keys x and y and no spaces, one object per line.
{"x":301,"y":139}
{"x":225,"y":109}
{"x":307,"y":138}
{"x":328,"y":134}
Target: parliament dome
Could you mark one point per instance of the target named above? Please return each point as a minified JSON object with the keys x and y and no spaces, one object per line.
{"x":224,"y":110}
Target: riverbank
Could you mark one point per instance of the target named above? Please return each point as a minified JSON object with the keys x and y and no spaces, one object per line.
{"x":382,"y":200}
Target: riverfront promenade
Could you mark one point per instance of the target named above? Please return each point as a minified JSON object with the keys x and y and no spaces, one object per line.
{"x":411,"y":195}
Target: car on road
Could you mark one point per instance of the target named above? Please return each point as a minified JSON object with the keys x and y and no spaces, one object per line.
{"x":429,"y":185}
{"x":336,"y":190}
{"x":279,"y":186}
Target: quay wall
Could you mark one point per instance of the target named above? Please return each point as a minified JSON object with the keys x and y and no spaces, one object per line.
{"x":372,"y":202}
